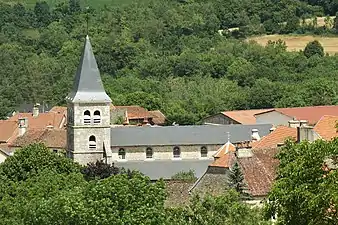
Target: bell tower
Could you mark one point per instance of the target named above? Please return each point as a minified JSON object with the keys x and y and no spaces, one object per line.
{"x":88,"y":108}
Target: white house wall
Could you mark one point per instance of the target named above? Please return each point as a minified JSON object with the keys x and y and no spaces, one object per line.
{"x":275,"y":118}
{"x":3,"y":157}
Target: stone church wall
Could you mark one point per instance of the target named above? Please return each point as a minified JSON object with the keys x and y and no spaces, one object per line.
{"x":164,"y":152}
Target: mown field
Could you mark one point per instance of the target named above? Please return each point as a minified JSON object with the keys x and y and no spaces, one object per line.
{"x":296,"y":43}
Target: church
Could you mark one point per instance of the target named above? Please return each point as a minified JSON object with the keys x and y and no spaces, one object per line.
{"x":154,"y":150}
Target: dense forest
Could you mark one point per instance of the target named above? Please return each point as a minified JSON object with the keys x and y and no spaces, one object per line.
{"x":167,"y":55}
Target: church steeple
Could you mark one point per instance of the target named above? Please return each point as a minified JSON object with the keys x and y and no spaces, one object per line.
{"x":88,"y":87}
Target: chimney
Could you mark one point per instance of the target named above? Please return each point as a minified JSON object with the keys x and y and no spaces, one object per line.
{"x":272,"y":129}
{"x":294,"y":123}
{"x":244,"y":153}
{"x":36,"y":110}
{"x":255,"y":135}
{"x":126,"y":119}
{"x":305,"y":132}
{"x":50,"y":127}
{"x":23,"y":125}
{"x":303,"y":122}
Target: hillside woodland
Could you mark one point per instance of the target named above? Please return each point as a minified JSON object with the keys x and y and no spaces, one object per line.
{"x":168,"y":55}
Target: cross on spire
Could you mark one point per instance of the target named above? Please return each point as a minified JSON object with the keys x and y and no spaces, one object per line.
{"x":87,"y":21}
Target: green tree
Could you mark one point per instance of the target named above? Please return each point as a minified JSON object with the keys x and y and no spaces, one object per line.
{"x":242,"y":71}
{"x":305,"y":191}
{"x":99,"y":170}
{"x":32,"y":159}
{"x":42,"y":14}
{"x":313,"y":48}
{"x":236,"y":180}
{"x":224,"y":209}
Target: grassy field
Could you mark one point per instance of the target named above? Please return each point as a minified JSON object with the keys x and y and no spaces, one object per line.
{"x":91,"y":3}
{"x":296,"y":43}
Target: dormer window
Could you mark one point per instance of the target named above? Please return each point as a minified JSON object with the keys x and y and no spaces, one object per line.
{"x":97,"y":117}
{"x":86,"y":117}
{"x":92,"y":142}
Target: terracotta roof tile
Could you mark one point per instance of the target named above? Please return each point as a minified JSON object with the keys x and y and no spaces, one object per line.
{"x":326,"y":127}
{"x":279,"y":135}
{"x":244,"y":116}
{"x":259,"y":171}
{"x":224,"y":156}
{"x":135,"y":112}
{"x":52,"y":138}
{"x":42,"y":120}
{"x":7,"y":130}
{"x":158,"y":117}
{"x":310,"y":113}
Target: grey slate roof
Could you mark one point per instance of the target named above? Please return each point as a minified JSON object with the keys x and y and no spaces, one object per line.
{"x":88,"y":87}
{"x":166,"y":168}
{"x":184,"y":135}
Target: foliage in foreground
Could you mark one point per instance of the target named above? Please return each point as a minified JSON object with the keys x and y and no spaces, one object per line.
{"x":220,"y":210}
{"x":305,"y":192}
{"x":54,"y":191}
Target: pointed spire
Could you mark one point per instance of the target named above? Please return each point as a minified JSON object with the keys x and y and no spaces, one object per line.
{"x":88,"y":87}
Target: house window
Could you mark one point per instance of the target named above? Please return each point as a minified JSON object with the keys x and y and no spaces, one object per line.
{"x":86,"y":117}
{"x":92,"y":142}
{"x":204,"y":152}
{"x":97,"y":117}
{"x":177,"y":152}
{"x":122,"y":153}
{"x":55,"y":150}
{"x":149,"y":153}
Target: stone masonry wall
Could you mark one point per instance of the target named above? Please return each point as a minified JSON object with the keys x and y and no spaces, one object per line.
{"x":164,"y":152}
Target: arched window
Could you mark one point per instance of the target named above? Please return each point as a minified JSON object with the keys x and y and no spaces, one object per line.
{"x":92,"y":142}
{"x":149,"y":153}
{"x":97,"y":117}
{"x":204,"y":152}
{"x":177,"y":152}
{"x":122,"y":153}
{"x":86,"y":117}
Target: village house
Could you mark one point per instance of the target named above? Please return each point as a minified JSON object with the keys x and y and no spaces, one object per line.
{"x":234,"y":117}
{"x":276,"y":117}
{"x":257,"y":159}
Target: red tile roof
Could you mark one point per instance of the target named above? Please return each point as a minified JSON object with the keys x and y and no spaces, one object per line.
{"x":42,"y":120}
{"x":224,"y":156}
{"x":52,"y":138}
{"x":310,"y":113}
{"x":259,"y":171}
{"x":326,"y":127}
{"x":7,"y":130}
{"x":279,"y":135}
{"x":158,"y":117}
{"x":244,"y":116}
{"x":135,"y":112}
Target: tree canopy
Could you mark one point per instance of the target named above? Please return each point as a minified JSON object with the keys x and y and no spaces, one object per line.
{"x":305,"y":191}
{"x":165,"y":55}
{"x":38,"y":186}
